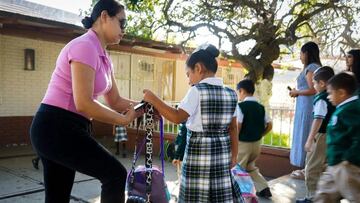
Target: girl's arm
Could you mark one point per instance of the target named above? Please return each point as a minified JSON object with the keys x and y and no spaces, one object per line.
{"x":83,"y":80}
{"x":172,"y":114}
{"x":233,"y":131}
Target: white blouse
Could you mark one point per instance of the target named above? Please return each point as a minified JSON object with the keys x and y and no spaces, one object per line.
{"x":191,"y":105}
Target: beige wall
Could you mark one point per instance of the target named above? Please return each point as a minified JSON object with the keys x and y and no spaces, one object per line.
{"x":21,"y":91}
{"x":1,"y":71}
{"x":132,"y":76}
{"x":181,"y":82}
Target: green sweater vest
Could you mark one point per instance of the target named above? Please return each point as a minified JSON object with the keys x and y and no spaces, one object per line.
{"x":253,"y":125}
{"x":330,"y":109}
{"x":343,"y":134}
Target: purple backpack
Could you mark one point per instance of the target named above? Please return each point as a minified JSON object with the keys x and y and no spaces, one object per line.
{"x":146,"y":183}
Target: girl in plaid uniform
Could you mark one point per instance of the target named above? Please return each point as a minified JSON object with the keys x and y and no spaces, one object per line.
{"x":211,"y":148}
{"x":120,"y":136}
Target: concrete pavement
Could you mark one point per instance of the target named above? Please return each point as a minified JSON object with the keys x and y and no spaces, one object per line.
{"x":21,"y":183}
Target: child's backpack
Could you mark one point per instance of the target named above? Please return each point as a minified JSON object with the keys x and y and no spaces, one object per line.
{"x":245,"y":183}
{"x":147,"y":183}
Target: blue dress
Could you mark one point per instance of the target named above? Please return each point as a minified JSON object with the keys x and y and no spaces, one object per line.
{"x":303,"y":119}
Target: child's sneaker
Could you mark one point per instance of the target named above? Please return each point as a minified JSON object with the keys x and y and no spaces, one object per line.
{"x":266,"y":193}
{"x":305,"y":200}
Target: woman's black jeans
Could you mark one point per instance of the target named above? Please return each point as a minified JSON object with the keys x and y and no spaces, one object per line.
{"x":63,"y":141}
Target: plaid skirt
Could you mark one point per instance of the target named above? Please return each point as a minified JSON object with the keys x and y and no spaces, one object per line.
{"x":206,"y":175}
{"x":120,"y":134}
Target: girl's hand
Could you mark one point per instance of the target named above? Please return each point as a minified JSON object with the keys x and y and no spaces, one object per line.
{"x":176,"y":162}
{"x":294,"y":93}
{"x":148,"y":95}
{"x":233,"y":162}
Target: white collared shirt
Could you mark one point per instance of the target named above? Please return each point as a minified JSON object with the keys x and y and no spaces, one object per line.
{"x":348,"y":100}
{"x":240,"y":115}
{"x":320,"y":109}
{"x":191,"y":104}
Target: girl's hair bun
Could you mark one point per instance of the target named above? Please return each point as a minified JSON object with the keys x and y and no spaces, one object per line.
{"x":210,"y":49}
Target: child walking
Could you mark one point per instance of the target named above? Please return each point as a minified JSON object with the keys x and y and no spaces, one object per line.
{"x":211,"y":148}
{"x":341,"y":178}
{"x":180,"y":144}
{"x":253,"y":124}
{"x":120,"y":137}
{"x":315,"y":145}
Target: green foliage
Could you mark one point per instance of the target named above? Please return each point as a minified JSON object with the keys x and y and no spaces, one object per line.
{"x":141,"y":18}
{"x":271,"y":25}
{"x":277,"y":140}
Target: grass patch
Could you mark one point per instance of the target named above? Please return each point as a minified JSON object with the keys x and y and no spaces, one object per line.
{"x":169,"y":128}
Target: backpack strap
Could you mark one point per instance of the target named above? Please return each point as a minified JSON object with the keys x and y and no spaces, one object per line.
{"x":148,"y":142}
{"x":136,"y":153}
{"x":149,"y":126}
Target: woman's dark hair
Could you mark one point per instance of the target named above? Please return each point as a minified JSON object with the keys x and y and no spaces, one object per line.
{"x":246,"y":84}
{"x":323,"y":74}
{"x":344,"y":80}
{"x":355,"y":68}
{"x":206,"y":55}
{"x":311,"y":49}
{"x":111,"y":6}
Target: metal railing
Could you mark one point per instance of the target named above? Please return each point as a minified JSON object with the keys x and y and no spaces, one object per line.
{"x":282,"y":119}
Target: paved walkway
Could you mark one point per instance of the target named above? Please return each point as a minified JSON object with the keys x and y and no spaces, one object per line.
{"x":21,"y":183}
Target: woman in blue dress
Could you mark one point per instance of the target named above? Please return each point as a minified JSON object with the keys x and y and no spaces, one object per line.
{"x":304,"y":94}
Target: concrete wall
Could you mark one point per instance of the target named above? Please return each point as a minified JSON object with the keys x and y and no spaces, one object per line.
{"x":181,"y":81}
{"x":21,"y":91}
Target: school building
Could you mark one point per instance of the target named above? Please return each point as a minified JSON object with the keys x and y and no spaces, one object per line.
{"x":31,"y":37}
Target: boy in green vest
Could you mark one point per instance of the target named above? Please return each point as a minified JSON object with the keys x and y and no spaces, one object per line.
{"x":315,"y":145}
{"x":253,"y":124}
{"x":342,"y":176}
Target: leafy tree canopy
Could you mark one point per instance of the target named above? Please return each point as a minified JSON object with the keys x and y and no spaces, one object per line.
{"x":266,"y":25}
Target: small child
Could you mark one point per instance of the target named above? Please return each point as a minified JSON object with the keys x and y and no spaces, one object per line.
{"x":253,"y":124}
{"x":315,"y":145}
{"x":341,"y":178}
{"x":180,"y":144}
{"x":120,"y":136}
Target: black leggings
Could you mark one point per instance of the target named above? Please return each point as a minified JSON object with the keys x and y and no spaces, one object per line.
{"x":62,"y":140}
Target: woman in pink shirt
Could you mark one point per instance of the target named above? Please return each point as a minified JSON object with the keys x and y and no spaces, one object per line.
{"x":61,"y":129}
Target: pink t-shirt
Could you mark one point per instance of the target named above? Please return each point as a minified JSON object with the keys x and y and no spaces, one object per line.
{"x":85,"y":49}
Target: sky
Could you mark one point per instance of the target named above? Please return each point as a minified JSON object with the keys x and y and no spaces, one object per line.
{"x":73,"y":6}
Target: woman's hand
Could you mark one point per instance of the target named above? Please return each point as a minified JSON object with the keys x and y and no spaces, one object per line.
{"x":131,"y":114}
{"x":294,"y":93}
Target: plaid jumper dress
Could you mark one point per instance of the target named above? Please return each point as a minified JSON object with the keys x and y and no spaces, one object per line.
{"x":120,"y":134}
{"x":206,"y":175}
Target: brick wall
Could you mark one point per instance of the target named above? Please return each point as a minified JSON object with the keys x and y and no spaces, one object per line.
{"x":14,"y":130}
